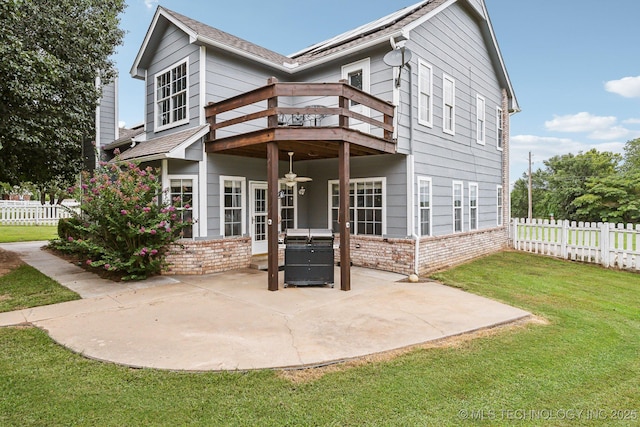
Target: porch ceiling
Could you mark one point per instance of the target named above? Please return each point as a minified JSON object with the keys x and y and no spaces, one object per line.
{"x":308,"y":143}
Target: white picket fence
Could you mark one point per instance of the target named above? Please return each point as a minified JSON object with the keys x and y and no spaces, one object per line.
{"x":34,"y":213}
{"x":611,"y":245}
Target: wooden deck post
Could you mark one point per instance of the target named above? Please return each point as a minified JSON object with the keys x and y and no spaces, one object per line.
{"x":344,"y":217}
{"x":272,"y":198}
{"x":272,"y":215}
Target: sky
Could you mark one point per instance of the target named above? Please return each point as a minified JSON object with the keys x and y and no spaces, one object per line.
{"x":574,"y":64}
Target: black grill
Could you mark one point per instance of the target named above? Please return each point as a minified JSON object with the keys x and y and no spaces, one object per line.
{"x":308,"y":257}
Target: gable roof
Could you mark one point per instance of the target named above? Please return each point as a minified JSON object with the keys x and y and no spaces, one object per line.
{"x":380,"y":31}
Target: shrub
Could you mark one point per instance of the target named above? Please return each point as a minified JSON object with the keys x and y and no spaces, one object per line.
{"x":122,"y":226}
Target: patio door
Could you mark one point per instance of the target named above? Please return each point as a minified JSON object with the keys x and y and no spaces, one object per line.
{"x":258,"y":202}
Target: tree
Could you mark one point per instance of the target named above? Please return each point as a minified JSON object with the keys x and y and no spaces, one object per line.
{"x":632,"y":155}
{"x":568,"y":176}
{"x":51,"y":53}
{"x":520,"y":196}
{"x":615,"y":198}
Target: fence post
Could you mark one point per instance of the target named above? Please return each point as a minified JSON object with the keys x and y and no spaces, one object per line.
{"x":563,"y":239}
{"x":604,"y":244}
{"x":515,"y":234}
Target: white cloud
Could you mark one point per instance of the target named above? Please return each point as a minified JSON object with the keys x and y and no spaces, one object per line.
{"x":629,"y":87}
{"x":150,"y":3}
{"x":581,"y":122}
{"x":615,"y":132}
{"x":631,"y":122}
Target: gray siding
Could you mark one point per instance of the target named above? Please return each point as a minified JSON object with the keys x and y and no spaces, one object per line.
{"x":108,"y":120}
{"x":452,"y":44}
{"x":173,"y":48}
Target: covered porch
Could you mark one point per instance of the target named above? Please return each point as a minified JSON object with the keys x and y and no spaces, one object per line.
{"x":312,"y":120}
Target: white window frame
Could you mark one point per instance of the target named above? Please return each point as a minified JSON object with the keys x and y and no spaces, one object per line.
{"x":499,"y":205}
{"x":446,"y":106}
{"x":354,"y":223}
{"x":499,"y":129}
{"x":481,"y":119}
{"x":294,"y":191}
{"x":158,"y":126}
{"x":243,"y":201}
{"x":422,"y":182}
{"x":363,"y":65}
{"x":455,"y":208}
{"x":473,"y":210}
{"x":425,"y":89}
{"x":194,"y":195}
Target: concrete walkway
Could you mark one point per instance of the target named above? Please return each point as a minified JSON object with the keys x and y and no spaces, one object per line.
{"x":230,"y":321}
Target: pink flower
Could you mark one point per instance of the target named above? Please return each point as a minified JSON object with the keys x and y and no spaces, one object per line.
{"x":116,"y":151}
{"x":153,"y":231}
{"x":88,"y":262}
{"x":154,"y":252}
{"x":123,"y":212}
{"x":70,"y":239}
{"x":142,"y":230}
{"x":187,"y":206}
{"x":107,"y":266}
{"x":146,"y":209}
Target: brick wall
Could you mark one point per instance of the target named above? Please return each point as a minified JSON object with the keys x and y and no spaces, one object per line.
{"x":441,"y":252}
{"x":436,"y":253}
{"x":208,"y":256}
{"x":394,"y":255}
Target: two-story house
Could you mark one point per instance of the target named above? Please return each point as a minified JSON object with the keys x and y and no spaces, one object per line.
{"x":408,"y":114}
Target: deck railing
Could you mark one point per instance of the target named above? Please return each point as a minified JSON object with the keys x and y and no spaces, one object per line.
{"x":332,"y":107}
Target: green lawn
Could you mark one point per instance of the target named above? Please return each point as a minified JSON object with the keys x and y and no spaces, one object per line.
{"x":583,"y":368}
{"x":26,"y":287}
{"x":27,"y":233}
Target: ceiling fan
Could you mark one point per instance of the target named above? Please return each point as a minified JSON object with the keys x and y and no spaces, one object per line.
{"x":290,"y":178}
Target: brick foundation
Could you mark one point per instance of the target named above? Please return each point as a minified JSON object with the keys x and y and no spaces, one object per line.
{"x":387,"y":254}
{"x":437,"y":253}
{"x":208,"y":256}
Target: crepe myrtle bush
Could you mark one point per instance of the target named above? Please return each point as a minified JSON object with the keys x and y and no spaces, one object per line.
{"x":123,"y":224}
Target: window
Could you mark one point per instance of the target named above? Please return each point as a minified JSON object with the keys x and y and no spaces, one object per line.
{"x":232,"y":206}
{"x":449,"y":106}
{"x":499,"y":203}
{"x":424,"y":207}
{"x":425,"y":101}
{"x":480,"y":119}
{"x":287,"y":207}
{"x":473,"y":206}
{"x":367,"y":202}
{"x":182,"y":196}
{"x":500,"y":127}
{"x":457,"y":206}
{"x":171,"y":96}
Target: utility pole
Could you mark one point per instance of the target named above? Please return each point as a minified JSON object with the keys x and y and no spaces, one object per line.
{"x":530,"y":191}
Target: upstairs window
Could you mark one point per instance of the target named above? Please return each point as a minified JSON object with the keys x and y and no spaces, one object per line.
{"x":171,"y":96}
{"x":480,"y":119}
{"x":500,"y":127}
{"x":449,"y":106}
{"x":425,"y":100}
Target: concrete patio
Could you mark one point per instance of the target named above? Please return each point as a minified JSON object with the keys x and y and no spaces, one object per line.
{"x":230,"y":321}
